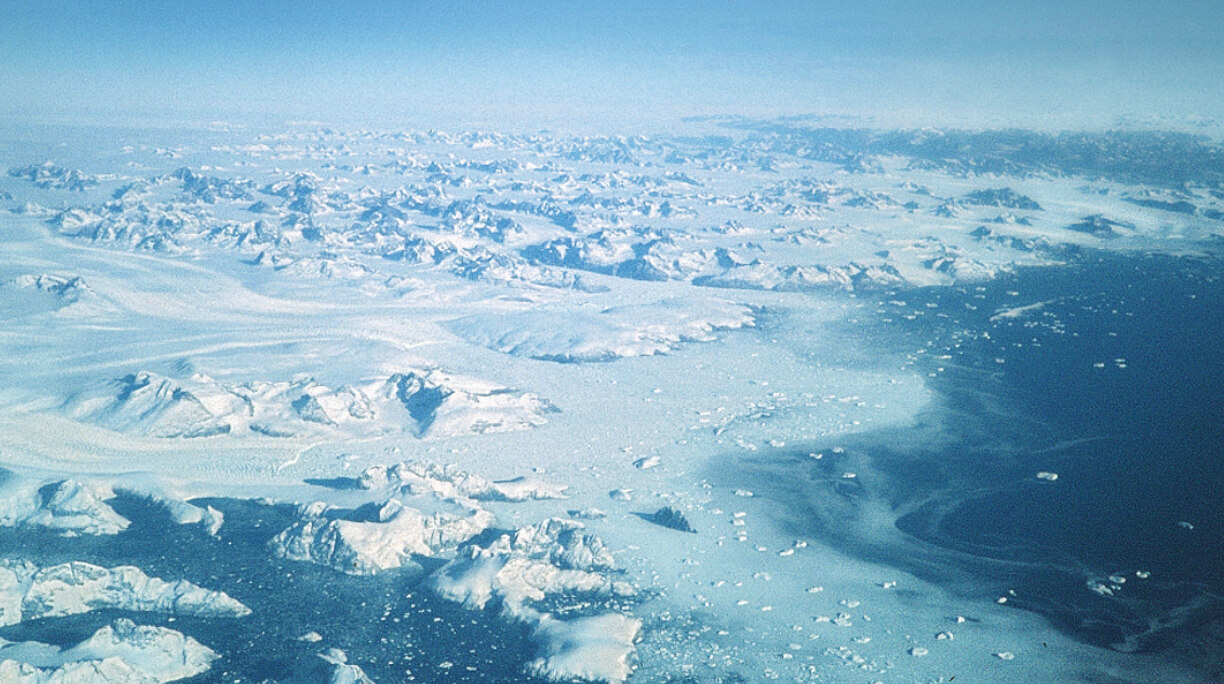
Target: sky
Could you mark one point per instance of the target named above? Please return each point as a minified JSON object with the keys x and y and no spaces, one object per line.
{"x":545,"y":64}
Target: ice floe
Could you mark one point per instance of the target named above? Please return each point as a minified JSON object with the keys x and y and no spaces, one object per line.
{"x":343,"y":672}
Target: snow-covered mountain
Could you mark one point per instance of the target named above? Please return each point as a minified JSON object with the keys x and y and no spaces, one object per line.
{"x":421,"y":403}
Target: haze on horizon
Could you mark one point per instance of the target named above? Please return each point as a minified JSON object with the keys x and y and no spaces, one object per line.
{"x":553,"y":64}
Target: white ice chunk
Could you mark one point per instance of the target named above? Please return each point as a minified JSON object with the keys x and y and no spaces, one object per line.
{"x":647,"y":462}
{"x":342,"y":671}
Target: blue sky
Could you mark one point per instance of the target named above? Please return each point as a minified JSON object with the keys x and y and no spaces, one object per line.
{"x":540,"y":64}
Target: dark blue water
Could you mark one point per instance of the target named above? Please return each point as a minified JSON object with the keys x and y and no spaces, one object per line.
{"x":394,"y":631}
{"x":1116,"y":383}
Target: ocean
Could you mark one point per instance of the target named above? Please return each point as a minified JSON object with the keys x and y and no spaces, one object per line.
{"x":1072,"y":461}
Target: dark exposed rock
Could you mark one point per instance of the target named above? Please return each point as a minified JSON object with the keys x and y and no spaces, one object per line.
{"x":1099,"y":226}
{"x":1179,"y":206}
{"x":671,"y":518}
{"x":1001,"y":197}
